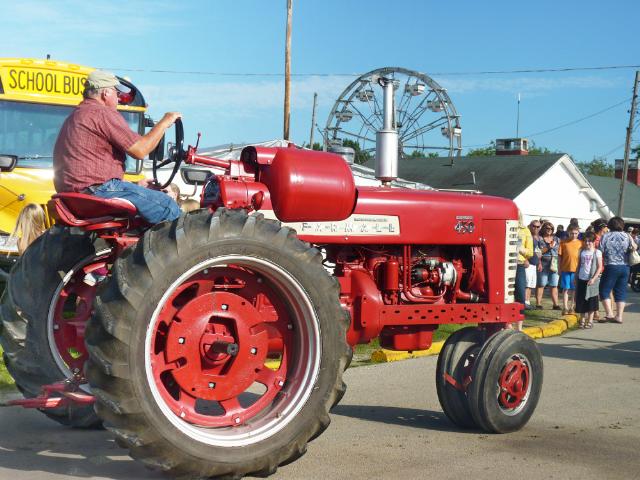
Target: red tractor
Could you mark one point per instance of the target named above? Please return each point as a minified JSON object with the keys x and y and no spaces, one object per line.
{"x":215,"y":345}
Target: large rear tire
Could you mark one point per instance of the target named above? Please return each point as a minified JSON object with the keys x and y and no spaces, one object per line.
{"x":44,"y":309}
{"x":218,"y":346}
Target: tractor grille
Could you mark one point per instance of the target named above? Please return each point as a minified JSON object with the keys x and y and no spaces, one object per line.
{"x":511,"y":260}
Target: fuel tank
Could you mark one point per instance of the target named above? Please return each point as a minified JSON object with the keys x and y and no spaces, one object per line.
{"x":305,"y":185}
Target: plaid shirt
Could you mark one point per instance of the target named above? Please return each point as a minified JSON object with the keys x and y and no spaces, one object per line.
{"x":91,"y":147}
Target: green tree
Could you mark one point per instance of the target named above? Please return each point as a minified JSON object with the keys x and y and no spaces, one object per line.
{"x":316,"y":146}
{"x":360,"y":157}
{"x":598,"y":166}
{"x":421,"y":154}
{"x":484,"y":151}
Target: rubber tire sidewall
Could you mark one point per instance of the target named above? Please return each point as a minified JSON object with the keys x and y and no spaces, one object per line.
{"x":486,"y":373}
{"x":454,"y":402}
{"x":33,"y":282}
{"x":194,"y":457}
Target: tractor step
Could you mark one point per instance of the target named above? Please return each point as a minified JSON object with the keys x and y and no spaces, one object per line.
{"x":53,"y":396}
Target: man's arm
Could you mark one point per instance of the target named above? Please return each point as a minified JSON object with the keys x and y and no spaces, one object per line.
{"x":148,"y":142}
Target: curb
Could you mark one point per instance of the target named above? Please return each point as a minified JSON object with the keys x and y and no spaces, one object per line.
{"x":551,"y":329}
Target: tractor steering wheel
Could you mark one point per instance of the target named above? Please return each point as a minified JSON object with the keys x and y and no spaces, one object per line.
{"x":176,"y":155}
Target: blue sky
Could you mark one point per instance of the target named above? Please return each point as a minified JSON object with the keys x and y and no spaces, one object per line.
{"x":332,"y":38}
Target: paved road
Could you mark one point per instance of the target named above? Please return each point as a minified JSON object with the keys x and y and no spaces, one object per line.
{"x":389,"y":425}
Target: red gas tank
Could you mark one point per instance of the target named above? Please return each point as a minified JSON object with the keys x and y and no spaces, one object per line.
{"x":306,"y":185}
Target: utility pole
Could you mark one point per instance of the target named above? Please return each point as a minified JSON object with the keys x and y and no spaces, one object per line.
{"x":313,"y":120}
{"x":627,"y":145}
{"x":287,"y":70}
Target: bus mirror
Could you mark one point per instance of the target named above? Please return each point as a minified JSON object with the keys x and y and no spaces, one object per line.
{"x":148,"y":122}
{"x":7,"y":162}
{"x":194,"y":176}
{"x":157,"y":153}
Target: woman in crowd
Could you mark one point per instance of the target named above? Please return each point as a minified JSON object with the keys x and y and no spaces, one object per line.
{"x":615,"y":246}
{"x":29,"y":226}
{"x":548,"y":276}
{"x":588,"y":280}
{"x":525,"y":251}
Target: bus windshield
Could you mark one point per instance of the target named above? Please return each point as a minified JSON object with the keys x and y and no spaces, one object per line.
{"x":30,"y":130}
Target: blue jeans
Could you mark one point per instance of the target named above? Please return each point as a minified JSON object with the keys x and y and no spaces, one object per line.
{"x":153,"y":205}
{"x":614,"y":277}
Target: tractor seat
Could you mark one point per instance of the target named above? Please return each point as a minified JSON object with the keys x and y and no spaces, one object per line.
{"x":83,"y":210}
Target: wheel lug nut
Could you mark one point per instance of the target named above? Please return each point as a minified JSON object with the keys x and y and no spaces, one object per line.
{"x":236,"y":420}
{"x":205,"y":271}
{"x":254,"y":350}
{"x":181,"y":340}
{"x":290,"y":327}
{"x":212,"y":385}
{"x":56,"y":327}
{"x":259,"y":280}
{"x":280,"y":383}
{"x":225,"y":306}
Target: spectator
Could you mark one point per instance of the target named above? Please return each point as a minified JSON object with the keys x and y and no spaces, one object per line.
{"x":525,"y":251}
{"x":560,"y":233}
{"x":615,"y":246}
{"x":588,"y":280}
{"x":569,"y":255}
{"x":29,"y":226}
{"x":548,"y":266}
{"x":532,"y":269}
{"x":574,"y":221}
{"x":599,"y":228}
{"x":173,"y":191}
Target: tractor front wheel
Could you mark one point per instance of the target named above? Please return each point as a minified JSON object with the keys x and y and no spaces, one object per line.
{"x":507,"y":381}
{"x":218,"y":346}
{"x":453,"y":374}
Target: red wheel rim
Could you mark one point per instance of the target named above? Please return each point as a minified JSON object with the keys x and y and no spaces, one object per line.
{"x":244,"y":306}
{"x":514,"y":383}
{"x":72,"y":306}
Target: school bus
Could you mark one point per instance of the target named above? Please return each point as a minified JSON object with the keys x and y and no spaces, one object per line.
{"x":36,"y":96}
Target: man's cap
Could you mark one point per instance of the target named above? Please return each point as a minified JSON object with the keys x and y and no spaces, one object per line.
{"x":629,"y":229}
{"x":103,"y":79}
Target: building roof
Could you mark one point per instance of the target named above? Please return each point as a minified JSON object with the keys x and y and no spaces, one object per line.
{"x":609,"y":190}
{"x":500,"y":175}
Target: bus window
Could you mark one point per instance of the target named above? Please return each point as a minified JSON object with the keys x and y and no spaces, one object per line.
{"x":30,"y":130}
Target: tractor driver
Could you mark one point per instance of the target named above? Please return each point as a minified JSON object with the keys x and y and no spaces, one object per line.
{"x":90,"y":152}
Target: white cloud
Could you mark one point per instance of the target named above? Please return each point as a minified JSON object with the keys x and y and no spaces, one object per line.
{"x":245,"y":98}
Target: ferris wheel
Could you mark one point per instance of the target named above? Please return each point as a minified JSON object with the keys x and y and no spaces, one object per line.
{"x":424,"y":116}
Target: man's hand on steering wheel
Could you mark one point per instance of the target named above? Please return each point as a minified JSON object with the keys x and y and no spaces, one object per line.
{"x":176,"y":153}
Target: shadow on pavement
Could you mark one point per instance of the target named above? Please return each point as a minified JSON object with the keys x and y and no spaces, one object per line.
{"x":32,"y":445}
{"x":627,"y":353}
{"x":405,"y":417}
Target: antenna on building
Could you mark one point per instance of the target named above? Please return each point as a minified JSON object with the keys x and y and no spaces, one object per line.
{"x":518,"y":119}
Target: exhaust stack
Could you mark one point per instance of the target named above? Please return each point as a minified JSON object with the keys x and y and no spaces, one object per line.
{"x":387,"y":138}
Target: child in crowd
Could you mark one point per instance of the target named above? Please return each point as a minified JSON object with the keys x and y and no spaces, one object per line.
{"x":29,"y":226}
{"x":173,"y":191}
{"x":568,"y":259}
{"x":588,"y":280}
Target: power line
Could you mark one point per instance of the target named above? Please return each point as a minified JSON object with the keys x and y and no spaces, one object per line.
{"x":339,"y":74}
{"x":568,"y":124}
{"x":573,"y":122}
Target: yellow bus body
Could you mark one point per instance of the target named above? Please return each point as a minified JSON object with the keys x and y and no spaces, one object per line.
{"x":46,"y":83}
